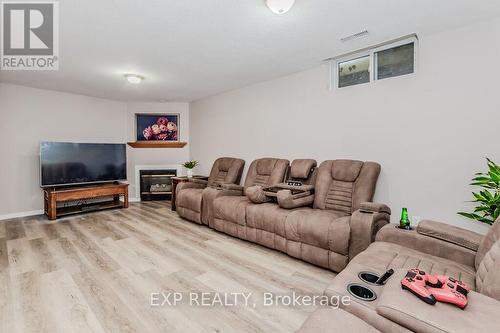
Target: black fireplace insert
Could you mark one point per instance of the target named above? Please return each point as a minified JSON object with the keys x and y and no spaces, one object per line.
{"x":156,"y":184}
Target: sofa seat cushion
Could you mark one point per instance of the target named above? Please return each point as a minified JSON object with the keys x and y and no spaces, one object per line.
{"x":231,"y":209}
{"x":190,"y":198}
{"x":266,"y":225}
{"x":403,"y":308}
{"x":380,"y":256}
{"x":268,"y":216}
{"x":320,"y":228}
{"x":209,"y":195}
{"x":331,"y":320}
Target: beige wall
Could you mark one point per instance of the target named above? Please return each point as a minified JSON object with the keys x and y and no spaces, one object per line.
{"x":29,"y":116}
{"x":430,"y":131}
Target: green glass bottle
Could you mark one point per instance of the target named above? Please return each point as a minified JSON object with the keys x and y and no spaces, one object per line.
{"x":404,"y":223}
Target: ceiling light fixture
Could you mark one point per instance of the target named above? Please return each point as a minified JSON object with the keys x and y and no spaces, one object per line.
{"x":134,"y":78}
{"x":280,"y":6}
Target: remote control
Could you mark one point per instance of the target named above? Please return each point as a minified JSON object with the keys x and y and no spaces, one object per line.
{"x":381,"y":280}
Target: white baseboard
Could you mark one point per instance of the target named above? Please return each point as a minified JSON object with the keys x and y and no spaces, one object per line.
{"x":21,"y":214}
{"x":134,"y":199}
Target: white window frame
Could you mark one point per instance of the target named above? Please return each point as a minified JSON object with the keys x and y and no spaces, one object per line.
{"x":334,"y":62}
{"x":349,"y":58}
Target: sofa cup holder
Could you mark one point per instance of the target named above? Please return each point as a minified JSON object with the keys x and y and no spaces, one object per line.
{"x":368,"y":277}
{"x":361,"y":292}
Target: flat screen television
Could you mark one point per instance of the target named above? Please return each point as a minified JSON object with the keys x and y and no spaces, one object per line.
{"x":64,"y":163}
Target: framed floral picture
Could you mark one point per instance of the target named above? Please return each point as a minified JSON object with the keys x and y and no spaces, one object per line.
{"x":157,"y":127}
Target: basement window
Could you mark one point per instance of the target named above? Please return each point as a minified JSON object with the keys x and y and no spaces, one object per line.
{"x":355,"y":71}
{"x":384,"y":61}
{"x":395,"y":61}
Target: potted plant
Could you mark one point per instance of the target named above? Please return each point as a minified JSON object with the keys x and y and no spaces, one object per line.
{"x":190,"y":165}
{"x":488,"y":198}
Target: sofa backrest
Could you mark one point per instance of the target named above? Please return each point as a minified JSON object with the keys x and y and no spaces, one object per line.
{"x":488,"y":263}
{"x":226,"y":170}
{"x":303,"y":171}
{"x":342,"y":185}
{"x":266,"y":172}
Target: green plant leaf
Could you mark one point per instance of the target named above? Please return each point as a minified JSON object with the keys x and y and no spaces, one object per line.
{"x":190,"y":164}
{"x":481,"y":178}
{"x":468,"y":215}
{"x":487,"y":199}
{"x":486,"y":220}
{"x":488,"y":185}
{"x":496,"y":213}
{"x":487,"y":195}
{"x":481,"y":209}
{"x":494,"y":177}
{"x":479,"y":197}
{"x":493,"y":166}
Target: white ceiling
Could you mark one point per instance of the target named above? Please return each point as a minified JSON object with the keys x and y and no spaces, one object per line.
{"x":190,"y":49}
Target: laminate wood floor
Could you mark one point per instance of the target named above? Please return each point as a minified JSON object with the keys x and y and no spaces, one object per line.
{"x":96,"y":273}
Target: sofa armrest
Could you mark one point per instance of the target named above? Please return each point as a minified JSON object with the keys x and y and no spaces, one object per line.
{"x":288,"y":200}
{"x":256,"y":194}
{"x":430,"y":245}
{"x":231,"y":187}
{"x":365,"y":223}
{"x":451,"y":234}
{"x":374,"y":207}
{"x":199,"y":181}
{"x":285,"y":186}
{"x":186,"y":185}
{"x":407,"y":310}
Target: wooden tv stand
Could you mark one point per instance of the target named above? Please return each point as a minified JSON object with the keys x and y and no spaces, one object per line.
{"x":79,"y":199}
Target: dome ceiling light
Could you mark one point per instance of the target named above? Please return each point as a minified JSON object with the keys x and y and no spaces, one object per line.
{"x":134,"y":78}
{"x":280,"y":7}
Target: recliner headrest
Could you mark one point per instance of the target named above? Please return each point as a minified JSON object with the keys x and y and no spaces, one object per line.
{"x":225,"y":164}
{"x":301,"y":168}
{"x":265,"y":166}
{"x":226,"y":170}
{"x":346,"y":170}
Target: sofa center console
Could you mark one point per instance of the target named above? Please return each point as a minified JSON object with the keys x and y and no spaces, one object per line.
{"x":361,"y":292}
{"x":360,"y":283}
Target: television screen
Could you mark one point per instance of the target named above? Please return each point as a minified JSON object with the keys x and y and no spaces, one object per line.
{"x":65,"y":163}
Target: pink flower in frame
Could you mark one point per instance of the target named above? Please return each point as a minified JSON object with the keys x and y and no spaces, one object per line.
{"x":162,"y":121}
{"x":148,"y":133}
